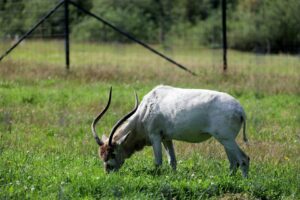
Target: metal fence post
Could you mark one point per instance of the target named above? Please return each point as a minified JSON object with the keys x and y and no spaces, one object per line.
{"x":224,"y":30}
{"x":67,"y":39}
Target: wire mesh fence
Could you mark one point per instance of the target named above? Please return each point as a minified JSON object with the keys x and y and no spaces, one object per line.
{"x":43,"y":44}
{"x":46,"y":44}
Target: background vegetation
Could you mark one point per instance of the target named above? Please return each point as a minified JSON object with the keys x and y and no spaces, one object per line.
{"x":253,"y":25}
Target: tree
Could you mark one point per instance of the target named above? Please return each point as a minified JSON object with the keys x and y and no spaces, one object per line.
{"x":11,"y":22}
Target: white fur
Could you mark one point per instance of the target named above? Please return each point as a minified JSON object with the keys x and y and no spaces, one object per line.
{"x":192,"y":115}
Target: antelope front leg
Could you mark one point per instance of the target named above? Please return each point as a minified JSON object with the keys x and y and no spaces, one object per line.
{"x":156,"y":144}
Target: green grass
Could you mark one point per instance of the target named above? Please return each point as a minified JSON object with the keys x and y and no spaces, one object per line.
{"x":46,"y":147}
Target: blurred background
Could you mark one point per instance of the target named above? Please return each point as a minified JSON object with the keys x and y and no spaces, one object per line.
{"x":173,"y":26}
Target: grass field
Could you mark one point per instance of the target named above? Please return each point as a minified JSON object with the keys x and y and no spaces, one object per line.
{"x":47,"y":150}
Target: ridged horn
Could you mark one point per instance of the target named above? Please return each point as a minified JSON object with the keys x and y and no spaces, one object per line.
{"x":123,"y":119}
{"x":98,"y":140}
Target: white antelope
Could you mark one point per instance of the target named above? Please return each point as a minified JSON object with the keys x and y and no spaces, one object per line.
{"x":167,"y":113}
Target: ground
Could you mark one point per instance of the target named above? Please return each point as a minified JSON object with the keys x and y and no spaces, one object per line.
{"x":47,"y":150}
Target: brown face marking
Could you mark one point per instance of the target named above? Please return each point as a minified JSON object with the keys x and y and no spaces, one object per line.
{"x":106,"y":152}
{"x":103,"y":151}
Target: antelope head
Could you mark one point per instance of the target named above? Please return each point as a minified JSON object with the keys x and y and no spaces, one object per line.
{"x":111,"y":152}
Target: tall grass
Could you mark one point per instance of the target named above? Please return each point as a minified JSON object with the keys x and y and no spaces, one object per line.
{"x":46,"y":148}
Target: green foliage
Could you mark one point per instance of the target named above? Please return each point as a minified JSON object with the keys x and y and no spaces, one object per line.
{"x":266,"y":26}
{"x":260,"y":26}
{"x":128,"y":18}
{"x":11,"y":24}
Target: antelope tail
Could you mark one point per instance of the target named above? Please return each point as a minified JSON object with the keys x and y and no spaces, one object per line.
{"x":244,"y":129}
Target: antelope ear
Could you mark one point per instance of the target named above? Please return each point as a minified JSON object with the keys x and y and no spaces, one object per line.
{"x":104,"y":138}
{"x":123,"y":138}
